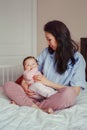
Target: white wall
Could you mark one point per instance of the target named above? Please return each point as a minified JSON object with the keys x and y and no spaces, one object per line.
{"x":71,"y":12}
{"x":20,"y":29}
{"x":17,"y":30}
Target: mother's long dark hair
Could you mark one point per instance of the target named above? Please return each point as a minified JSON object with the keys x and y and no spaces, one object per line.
{"x":66,"y":46}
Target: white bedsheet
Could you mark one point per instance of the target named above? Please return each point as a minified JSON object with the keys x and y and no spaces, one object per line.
{"x":13,"y":117}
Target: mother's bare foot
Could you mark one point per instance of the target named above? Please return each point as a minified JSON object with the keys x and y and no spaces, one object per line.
{"x":50,"y":111}
{"x":13,"y":102}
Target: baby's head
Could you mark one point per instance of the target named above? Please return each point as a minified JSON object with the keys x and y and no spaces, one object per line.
{"x":29,"y":63}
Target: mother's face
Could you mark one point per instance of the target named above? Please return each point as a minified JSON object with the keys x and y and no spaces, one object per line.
{"x":51,"y":40}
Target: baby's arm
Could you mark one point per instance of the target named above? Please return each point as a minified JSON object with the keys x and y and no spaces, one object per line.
{"x":24,"y":85}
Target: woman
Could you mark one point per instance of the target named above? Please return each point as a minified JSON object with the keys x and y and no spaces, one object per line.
{"x":62,"y":66}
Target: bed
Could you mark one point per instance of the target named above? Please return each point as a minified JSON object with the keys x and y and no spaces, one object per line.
{"x":14,"y":117}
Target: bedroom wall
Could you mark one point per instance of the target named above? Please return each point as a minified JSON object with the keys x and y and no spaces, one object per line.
{"x":72,"y":13}
{"x":17,"y":30}
{"x":24,"y":36}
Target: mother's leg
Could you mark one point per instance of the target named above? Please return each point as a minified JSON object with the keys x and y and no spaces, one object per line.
{"x":16,"y":93}
{"x":64,"y":98}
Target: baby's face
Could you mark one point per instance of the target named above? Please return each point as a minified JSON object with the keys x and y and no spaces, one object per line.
{"x":30,"y":64}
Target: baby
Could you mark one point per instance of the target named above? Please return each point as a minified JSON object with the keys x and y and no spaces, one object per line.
{"x":30,"y":65}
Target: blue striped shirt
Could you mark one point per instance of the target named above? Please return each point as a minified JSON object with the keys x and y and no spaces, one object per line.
{"x":73,"y":76}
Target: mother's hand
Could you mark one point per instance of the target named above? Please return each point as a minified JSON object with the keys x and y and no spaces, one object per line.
{"x":41,"y":78}
{"x":29,"y":92}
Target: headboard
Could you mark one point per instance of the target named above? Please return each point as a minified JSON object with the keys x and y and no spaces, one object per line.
{"x":84,"y":51}
{"x":10,"y":73}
